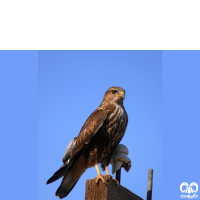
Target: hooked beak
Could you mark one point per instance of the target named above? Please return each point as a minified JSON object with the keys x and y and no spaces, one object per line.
{"x":121,"y":95}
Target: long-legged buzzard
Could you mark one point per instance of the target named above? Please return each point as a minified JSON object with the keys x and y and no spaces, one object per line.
{"x":95,"y":143}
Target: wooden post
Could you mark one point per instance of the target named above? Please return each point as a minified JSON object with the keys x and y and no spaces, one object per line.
{"x":111,"y":191}
{"x":149,"y":184}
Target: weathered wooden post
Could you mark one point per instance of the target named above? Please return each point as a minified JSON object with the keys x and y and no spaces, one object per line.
{"x":149,"y":184}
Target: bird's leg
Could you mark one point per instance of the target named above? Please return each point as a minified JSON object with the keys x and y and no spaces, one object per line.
{"x":107,"y":172}
{"x":99,"y":176}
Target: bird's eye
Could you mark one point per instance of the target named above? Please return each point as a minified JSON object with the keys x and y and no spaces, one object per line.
{"x":114,"y":91}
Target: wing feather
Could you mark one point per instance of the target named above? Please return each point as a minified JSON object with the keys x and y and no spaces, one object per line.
{"x":89,"y":129}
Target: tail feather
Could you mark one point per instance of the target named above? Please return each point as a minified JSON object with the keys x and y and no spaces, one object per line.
{"x":70,"y":180}
{"x":72,"y":171}
{"x":66,"y":186}
{"x":58,"y":174}
{"x":66,"y":168}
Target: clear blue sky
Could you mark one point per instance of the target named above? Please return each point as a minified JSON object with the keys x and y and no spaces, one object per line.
{"x":72,"y":85}
{"x":47,"y":96}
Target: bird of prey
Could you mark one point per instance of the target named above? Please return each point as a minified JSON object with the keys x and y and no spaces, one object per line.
{"x":96,"y":142}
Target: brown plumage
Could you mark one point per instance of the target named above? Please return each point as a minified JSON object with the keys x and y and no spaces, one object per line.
{"x":96,"y":141}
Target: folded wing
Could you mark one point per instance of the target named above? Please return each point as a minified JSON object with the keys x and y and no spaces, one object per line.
{"x":73,"y":158}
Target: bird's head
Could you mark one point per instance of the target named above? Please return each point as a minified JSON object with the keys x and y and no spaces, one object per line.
{"x":114,"y":95}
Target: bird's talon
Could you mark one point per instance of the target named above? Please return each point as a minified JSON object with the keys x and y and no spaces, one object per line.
{"x":100,"y":177}
{"x":117,"y":182}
